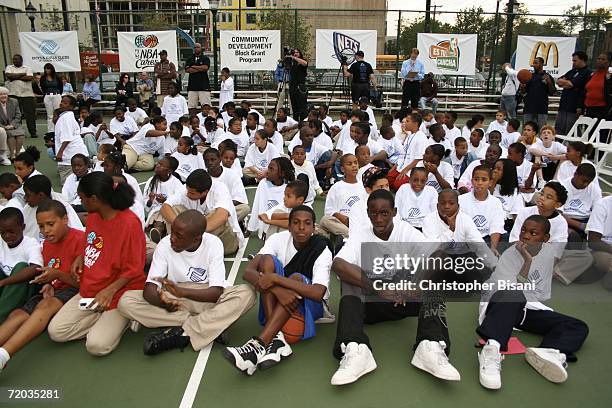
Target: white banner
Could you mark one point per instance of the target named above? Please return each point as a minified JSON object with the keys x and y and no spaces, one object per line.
{"x":332,"y":44}
{"x":60,"y":48}
{"x":448,"y":54}
{"x":252,"y":50}
{"x":556,"y":51}
{"x":139,"y":51}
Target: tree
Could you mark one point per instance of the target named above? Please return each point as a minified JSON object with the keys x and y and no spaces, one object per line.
{"x":155,"y":21}
{"x":292,"y":34}
{"x":411,"y":27}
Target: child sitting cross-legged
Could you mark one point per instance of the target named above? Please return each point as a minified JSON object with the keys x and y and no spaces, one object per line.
{"x":276,"y":218}
{"x":60,"y":248}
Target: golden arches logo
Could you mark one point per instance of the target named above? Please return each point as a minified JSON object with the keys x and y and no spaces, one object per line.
{"x":545,"y":52}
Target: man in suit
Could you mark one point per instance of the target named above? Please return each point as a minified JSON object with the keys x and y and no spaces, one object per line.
{"x":11,"y":132}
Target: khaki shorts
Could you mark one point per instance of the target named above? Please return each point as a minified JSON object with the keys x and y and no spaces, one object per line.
{"x":195,"y":97}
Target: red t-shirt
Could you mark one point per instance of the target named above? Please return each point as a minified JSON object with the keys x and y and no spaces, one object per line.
{"x":60,"y":255}
{"x":113,"y":249}
{"x":595,"y":90}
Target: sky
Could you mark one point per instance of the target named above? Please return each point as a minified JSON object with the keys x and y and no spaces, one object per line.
{"x":534,"y":6}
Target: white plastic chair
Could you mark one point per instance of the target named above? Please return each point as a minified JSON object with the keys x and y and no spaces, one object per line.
{"x":603,"y":151}
{"x":581,"y":130}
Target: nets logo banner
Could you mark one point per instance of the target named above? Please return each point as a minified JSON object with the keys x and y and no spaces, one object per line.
{"x":60,"y":48}
{"x":332,"y":45}
{"x":252,"y":50}
{"x":556,"y":52}
{"x":139,"y":51}
{"x":450,"y":54}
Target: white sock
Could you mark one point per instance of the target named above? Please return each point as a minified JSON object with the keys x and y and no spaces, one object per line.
{"x":4,"y":357}
{"x":494,"y":343}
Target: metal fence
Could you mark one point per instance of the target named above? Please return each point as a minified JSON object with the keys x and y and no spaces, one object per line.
{"x":397,"y":30}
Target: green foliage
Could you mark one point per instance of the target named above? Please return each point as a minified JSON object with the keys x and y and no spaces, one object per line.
{"x":296,"y":36}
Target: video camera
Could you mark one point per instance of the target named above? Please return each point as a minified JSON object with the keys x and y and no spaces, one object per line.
{"x":287,"y":60}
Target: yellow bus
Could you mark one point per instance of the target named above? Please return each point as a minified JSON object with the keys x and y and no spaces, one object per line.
{"x":388,"y":63}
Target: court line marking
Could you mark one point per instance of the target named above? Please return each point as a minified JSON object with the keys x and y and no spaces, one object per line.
{"x":200,"y":365}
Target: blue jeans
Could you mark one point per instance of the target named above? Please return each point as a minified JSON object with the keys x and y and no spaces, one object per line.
{"x":508,"y":103}
{"x":423,"y":104}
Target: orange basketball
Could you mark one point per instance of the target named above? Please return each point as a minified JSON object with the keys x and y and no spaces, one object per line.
{"x":524,"y":76}
{"x":294,"y":328}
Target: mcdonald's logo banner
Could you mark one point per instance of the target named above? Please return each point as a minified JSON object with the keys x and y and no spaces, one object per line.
{"x":556,"y":51}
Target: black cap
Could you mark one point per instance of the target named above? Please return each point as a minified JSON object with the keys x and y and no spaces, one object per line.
{"x":359,"y":53}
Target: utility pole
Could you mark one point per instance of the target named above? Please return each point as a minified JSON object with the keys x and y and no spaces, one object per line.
{"x":428,"y":16}
{"x":435,"y":7}
{"x":509,"y":21}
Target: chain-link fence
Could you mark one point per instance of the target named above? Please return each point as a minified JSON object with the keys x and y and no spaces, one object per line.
{"x":396,"y":35}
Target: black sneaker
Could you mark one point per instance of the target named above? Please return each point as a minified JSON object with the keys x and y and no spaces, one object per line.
{"x":245,"y":358}
{"x":277,"y":350}
{"x":222,"y":339}
{"x":168,"y":339}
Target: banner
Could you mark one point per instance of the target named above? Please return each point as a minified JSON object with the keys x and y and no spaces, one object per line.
{"x":333,"y":44}
{"x":60,"y":48}
{"x":250,"y":50}
{"x":448,"y":54}
{"x":139,"y":51}
{"x":556,"y":51}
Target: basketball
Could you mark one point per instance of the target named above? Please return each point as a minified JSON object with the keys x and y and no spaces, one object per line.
{"x":294,"y":328}
{"x":524,"y":76}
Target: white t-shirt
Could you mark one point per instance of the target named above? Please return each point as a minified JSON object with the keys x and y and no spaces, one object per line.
{"x":17,"y":87}
{"x":139,"y":115}
{"x":445,"y":169}
{"x":188,"y":163}
{"x":558,"y":225}
{"x":313,"y":184}
{"x":69,"y":190}
{"x":314,"y":153}
{"x":342,"y":196}
{"x":495,"y":125}
{"x":170,"y":144}
{"x":456,"y":164}
{"x":267,"y":196}
{"x":215,"y":137}
{"x":28,"y":250}
{"x":289,"y":122}
{"x":567,"y":169}
{"x":251,"y":132}
{"x":523,"y":171}
{"x":234,"y":184}
{"x":444,"y":142}
{"x":218,"y":197}
{"x":350,"y":145}
{"x":555,"y":149}
{"x":204,"y":265}
{"x":165,"y":188}
{"x":371,"y":117}
{"x":413,"y":208}
{"x":466,"y":178}
{"x":281,"y":246}
{"x":174,"y":107}
{"x":451,"y":134}
{"x":226,"y":91}
{"x":466,"y":132}
{"x":580,"y":203}
{"x":601,"y":219}
{"x":105,"y":137}
{"x":488,"y":215}
{"x":29,"y":216}
{"x":321,"y":139}
{"x":402,"y":232}
{"x":479,"y":151}
{"x":125,"y":128}
{"x":393,"y":147}
{"x":241,"y":140}
{"x":67,"y":129}
{"x":236,"y":168}
{"x":511,"y":204}
{"x":509,"y":138}
{"x":413,"y":149}
{"x":277,"y":140}
{"x":258,"y":159}
{"x":143,"y":144}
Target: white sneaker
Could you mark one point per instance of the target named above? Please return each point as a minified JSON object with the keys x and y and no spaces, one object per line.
{"x":548,"y":362}
{"x":356,"y":362}
{"x":134,"y":326}
{"x":490,"y":360}
{"x":429,"y":356}
{"x":277,"y":350}
{"x":4,"y":161}
{"x":328,"y":316}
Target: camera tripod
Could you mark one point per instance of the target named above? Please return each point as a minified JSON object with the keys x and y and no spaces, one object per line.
{"x":344,"y":88}
{"x":283,"y":93}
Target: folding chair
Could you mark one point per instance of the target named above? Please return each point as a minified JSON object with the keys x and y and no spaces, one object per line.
{"x":581,"y":130}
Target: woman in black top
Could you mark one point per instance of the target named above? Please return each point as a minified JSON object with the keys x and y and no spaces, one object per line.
{"x":51,"y":86}
{"x":124,"y":90}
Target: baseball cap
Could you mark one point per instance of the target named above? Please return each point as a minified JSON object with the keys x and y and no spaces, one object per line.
{"x":359,"y":53}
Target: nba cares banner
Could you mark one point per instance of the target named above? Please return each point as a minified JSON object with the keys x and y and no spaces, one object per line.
{"x":448,"y":54}
{"x":333,"y":44}
{"x":250,"y":50}
{"x":139,"y":51}
{"x":556,"y":51}
{"x":60,"y":48}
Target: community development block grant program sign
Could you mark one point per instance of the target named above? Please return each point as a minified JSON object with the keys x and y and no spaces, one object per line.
{"x":139,"y":51}
{"x":556,"y":51}
{"x":334,"y":44}
{"x":448,"y":54}
{"x":250,"y":50}
{"x":60,"y":48}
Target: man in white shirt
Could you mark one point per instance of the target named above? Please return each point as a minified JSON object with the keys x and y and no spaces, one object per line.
{"x":186,"y":290}
{"x":364,"y":296}
{"x":18,"y":79}
{"x":508,"y":95}
{"x":68,"y":140}
{"x":212,"y":199}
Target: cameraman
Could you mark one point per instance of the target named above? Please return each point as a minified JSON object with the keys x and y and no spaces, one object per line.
{"x":297,"y":84}
{"x":361,"y":73}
